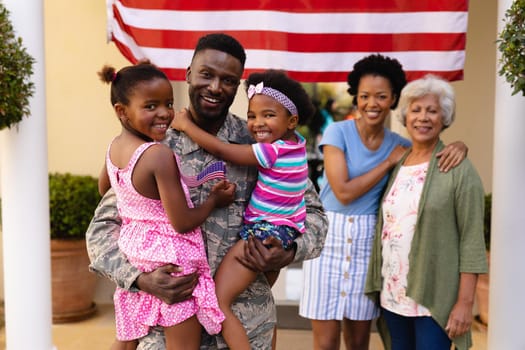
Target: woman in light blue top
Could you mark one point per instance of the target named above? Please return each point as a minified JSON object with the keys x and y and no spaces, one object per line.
{"x":358,"y":157}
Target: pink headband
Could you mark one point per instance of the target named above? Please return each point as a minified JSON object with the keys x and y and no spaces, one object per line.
{"x":275,"y":94}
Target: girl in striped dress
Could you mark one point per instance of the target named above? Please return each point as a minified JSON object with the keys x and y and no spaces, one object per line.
{"x":276,"y":212}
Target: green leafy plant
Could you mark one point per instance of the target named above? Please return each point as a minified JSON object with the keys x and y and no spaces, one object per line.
{"x":72,"y":202}
{"x":511,"y":44}
{"x":487,"y":220}
{"x":16,"y":68}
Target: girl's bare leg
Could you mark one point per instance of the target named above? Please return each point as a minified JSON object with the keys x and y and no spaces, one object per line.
{"x":272,"y":276}
{"x":124,"y":345}
{"x":184,"y":336}
{"x":231,"y":279}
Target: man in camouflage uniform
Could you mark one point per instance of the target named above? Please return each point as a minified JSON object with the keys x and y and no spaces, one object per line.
{"x":213,"y":78}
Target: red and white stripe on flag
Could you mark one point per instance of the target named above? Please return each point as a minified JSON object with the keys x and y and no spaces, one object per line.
{"x":313,"y":40}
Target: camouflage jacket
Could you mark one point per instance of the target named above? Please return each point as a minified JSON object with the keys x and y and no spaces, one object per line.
{"x":254,"y":307}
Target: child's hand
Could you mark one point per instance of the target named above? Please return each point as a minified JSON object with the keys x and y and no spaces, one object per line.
{"x":181,"y":119}
{"x":223,"y":193}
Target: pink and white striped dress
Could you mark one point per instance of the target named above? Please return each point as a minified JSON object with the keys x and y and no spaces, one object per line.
{"x":148,"y":240}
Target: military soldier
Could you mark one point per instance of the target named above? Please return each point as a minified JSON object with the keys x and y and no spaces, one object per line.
{"x":213,"y":78}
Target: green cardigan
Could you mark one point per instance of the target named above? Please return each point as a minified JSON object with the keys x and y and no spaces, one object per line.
{"x":448,"y":240}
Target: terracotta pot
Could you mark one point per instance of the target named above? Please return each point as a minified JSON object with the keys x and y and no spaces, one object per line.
{"x":482,"y":296}
{"x":73,"y":286}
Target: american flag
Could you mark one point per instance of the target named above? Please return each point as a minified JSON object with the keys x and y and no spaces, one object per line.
{"x":313,"y":40}
{"x":215,"y":170}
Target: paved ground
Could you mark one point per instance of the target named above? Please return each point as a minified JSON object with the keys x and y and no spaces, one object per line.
{"x":98,"y":333}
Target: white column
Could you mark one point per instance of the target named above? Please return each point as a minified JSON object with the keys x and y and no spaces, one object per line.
{"x":25,"y":201}
{"x":507,"y":278}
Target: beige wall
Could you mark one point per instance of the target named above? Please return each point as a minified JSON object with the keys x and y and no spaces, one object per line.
{"x":80,"y":118}
{"x":475,"y":94}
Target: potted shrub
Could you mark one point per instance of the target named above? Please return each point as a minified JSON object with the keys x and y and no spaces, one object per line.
{"x":511,"y":44}
{"x":16,"y":68}
{"x":72,"y":201}
{"x":482,"y":287}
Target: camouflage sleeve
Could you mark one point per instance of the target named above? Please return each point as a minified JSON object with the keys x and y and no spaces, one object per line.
{"x":309,"y":244}
{"x":101,"y":238}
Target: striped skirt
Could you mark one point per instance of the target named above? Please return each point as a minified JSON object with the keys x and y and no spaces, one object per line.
{"x":334,"y":282}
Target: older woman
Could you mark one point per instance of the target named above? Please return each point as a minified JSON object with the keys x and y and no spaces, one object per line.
{"x":428,"y":248}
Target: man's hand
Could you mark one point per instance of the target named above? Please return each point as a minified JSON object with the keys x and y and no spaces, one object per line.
{"x":265,"y":256}
{"x":168,"y":288}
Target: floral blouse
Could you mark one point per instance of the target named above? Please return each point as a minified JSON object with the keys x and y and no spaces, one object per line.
{"x":400,"y":208}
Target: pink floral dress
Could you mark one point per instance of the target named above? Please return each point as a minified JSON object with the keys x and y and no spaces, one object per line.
{"x":148,"y":240}
{"x":400,"y":208}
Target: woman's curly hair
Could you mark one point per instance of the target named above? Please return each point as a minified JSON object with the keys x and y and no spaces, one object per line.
{"x":377,"y":64}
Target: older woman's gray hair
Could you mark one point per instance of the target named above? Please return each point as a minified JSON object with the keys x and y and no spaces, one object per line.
{"x":428,"y":85}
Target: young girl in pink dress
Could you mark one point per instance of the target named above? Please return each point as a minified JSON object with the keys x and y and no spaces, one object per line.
{"x":160,"y":225}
